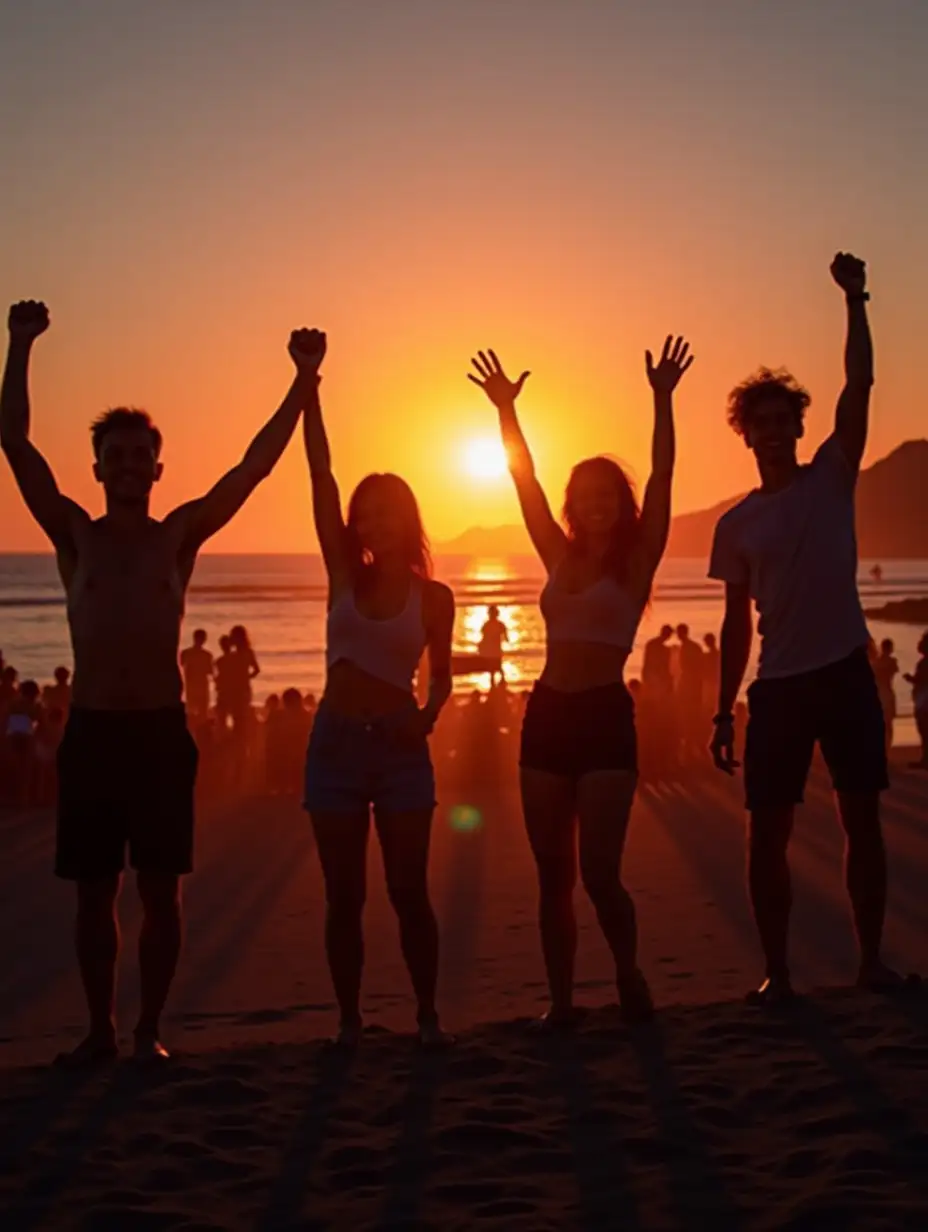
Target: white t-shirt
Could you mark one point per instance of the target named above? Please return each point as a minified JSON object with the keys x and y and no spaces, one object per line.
{"x":796,"y":550}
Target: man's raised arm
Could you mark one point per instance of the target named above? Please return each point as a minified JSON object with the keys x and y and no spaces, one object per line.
{"x":202,"y":518}
{"x":851,"y":418}
{"x":52,"y":511}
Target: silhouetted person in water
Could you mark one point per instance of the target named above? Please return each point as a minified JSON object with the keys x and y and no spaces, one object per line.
{"x":493,"y":637}
{"x":579,"y":754}
{"x":919,"y":682}
{"x":197,"y":665}
{"x":689,"y":694}
{"x":791,"y":547}
{"x":127,"y":763}
{"x":369,"y":747}
{"x":223,"y":670}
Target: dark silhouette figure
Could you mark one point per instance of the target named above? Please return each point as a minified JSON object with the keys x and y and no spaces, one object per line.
{"x":578,"y":754}
{"x":790,"y":547}
{"x":886,"y":669}
{"x":493,"y":636}
{"x":919,"y":682}
{"x":689,"y":708}
{"x":369,"y":748}
{"x":127,"y":763}
{"x":197,"y":665}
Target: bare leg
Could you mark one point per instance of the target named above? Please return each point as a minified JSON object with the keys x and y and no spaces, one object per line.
{"x":770,"y":886}
{"x":159,"y":950}
{"x":404,"y":840}
{"x":548,"y":805}
{"x":96,"y":937}
{"x":604,"y":806}
{"x":865,"y":876}
{"x":341,"y":840}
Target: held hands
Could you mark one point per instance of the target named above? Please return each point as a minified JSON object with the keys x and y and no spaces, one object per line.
{"x":27,"y":320}
{"x":307,"y":350}
{"x":850,"y":273}
{"x":666,"y":373}
{"x":493,"y":380}
{"x":723,"y":747}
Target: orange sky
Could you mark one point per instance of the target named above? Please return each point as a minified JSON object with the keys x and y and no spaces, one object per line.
{"x":565,"y":182}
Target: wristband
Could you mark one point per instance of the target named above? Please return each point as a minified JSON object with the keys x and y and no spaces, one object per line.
{"x":859,"y":297}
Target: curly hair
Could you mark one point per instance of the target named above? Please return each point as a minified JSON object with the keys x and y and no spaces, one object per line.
{"x":765,"y":383}
{"x":118,"y":419}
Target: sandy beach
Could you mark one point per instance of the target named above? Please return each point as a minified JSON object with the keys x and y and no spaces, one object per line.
{"x":718,"y":1117}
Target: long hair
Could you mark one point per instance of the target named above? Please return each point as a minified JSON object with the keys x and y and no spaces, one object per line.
{"x":627,"y":531}
{"x":415,"y":544}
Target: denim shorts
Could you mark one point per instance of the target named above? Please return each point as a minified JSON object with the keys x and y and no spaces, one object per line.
{"x":352,"y":764}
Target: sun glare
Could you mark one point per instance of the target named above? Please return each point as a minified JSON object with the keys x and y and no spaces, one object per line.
{"x":485,"y":459}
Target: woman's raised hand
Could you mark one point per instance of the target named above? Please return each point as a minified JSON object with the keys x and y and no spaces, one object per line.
{"x":674,"y":361}
{"x":493,"y":380}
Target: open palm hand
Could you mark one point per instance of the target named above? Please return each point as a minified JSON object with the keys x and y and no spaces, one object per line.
{"x":666,"y":373}
{"x":493,"y":380}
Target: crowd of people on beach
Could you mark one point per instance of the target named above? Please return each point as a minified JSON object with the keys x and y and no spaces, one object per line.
{"x":128,"y":759}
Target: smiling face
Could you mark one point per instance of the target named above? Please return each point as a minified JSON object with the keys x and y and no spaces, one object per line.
{"x":127,"y":465}
{"x":773,"y":430}
{"x":595,"y":502}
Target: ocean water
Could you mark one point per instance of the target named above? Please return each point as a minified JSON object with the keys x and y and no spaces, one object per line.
{"x":281,"y":601}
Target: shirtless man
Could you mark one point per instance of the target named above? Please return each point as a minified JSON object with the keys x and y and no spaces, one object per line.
{"x":197,"y":665}
{"x":127,"y":763}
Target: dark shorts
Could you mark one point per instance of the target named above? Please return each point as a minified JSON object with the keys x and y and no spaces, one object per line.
{"x":839,"y":708}
{"x":573,"y":734}
{"x":353,"y":765}
{"x":125,"y":778}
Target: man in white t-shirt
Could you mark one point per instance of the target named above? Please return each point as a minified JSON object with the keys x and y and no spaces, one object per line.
{"x":790,"y":546}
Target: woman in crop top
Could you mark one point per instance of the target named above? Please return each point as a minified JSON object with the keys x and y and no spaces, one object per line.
{"x":579,"y":749}
{"x":368,"y":747}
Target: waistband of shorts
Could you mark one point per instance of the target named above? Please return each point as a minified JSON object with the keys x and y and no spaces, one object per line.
{"x":364,"y":723}
{"x":89,"y":716}
{"x":581,"y":697}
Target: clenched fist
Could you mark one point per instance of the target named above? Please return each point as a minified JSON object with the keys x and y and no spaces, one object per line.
{"x":850,"y":273}
{"x":27,"y":320}
{"x":307,"y":350}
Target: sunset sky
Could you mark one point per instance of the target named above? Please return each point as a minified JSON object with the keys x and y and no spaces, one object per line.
{"x":564,"y":180}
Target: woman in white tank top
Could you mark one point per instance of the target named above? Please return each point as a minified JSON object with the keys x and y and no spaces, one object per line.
{"x":578,"y":756}
{"x":368,"y":748}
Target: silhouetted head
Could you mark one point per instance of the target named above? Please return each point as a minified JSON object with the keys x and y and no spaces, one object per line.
{"x":923,"y":644}
{"x":683,"y":632}
{"x":666,"y":633}
{"x":600,"y":505}
{"x":292,"y":699}
{"x":10,"y":675}
{"x":62,"y":675}
{"x":384,"y":523}
{"x":493,"y":612}
{"x":768,"y":410}
{"x":238,"y":638}
{"x":224,"y":644}
{"x":30,"y":691}
{"x":272,"y":703}
{"x":126,"y":448}
{"x":709,"y":641}
{"x":199,"y":637}
{"x":887,"y":646}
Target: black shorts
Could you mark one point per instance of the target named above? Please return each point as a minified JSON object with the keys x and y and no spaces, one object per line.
{"x":125,"y":778}
{"x":838,"y":707}
{"x":573,"y":734}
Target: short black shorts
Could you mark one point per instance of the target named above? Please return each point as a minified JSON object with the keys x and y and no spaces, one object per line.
{"x":838,"y":707}
{"x":573,"y":734}
{"x":125,"y":778}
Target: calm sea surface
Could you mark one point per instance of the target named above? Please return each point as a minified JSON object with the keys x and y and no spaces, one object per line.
{"x":281,"y":600}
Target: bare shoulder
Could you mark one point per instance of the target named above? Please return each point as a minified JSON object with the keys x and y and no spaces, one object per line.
{"x":438,"y":599}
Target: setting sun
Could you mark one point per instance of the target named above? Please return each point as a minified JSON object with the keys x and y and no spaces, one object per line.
{"x":485,"y":459}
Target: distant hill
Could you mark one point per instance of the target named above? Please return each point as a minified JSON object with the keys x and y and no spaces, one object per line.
{"x":892,"y":517}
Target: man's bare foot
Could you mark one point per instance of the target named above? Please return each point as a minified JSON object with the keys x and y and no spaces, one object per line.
{"x":635,"y":999}
{"x":432,"y":1037}
{"x":877,"y":977}
{"x":93,"y":1051}
{"x":348,"y":1036}
{"x":775,"y":990}
{"x":149,"y":1050}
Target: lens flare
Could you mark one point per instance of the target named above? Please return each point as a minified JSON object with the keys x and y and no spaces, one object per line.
{"x":464,"y":818}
